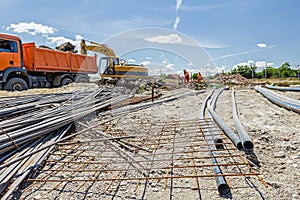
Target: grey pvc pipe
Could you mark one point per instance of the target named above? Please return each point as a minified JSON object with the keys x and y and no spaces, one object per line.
{"x":223,"y":187}
{"x":295,"y":89}
{"x":230,"y":134}
{"x":288,"y":103}
{"x":244,"y":136}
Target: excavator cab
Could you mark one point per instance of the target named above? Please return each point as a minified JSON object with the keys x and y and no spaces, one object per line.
{"x":107,"y":65}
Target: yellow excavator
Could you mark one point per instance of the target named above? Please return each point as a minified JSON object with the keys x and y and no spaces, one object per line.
{"x":114,"y":67}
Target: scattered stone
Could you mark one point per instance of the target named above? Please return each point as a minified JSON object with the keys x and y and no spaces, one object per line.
{"x":264,"y":138}
{"x":286,"y":139}
{"x":291,"y":147}
{"x":276,"y":185}
{"x":194,"y":187}
{"x":282,"y":167}
{"x":280,"y":154}
{"x":37,"y":197}
{"x":252,"y":198}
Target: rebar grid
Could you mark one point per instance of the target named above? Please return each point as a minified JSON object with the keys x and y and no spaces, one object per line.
{"x":165,"y":158}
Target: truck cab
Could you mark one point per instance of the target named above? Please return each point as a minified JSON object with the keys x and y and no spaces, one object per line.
{"x":9,"y":53}
{"x":12,"y":64}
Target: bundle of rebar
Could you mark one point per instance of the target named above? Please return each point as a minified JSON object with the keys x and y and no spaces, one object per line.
{"x":32,"y":125}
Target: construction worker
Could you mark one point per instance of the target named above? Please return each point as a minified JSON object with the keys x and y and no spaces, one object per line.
{"x":199,"y":77}
{"x":186,"y":76}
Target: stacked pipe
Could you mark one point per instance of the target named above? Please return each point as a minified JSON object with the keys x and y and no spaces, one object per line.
{"x":294,"y":89}
{"x":283,"y":101}
{"x":245,"y":138}
{"x":212,"y":138}
{"x":230,"y":134}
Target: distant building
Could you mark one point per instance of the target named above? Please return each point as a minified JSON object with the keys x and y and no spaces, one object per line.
{"x":173,"y":76}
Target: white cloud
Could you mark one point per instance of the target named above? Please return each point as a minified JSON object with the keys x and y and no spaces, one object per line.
{"x":31,"y":28}
{"x":235,"y":54}
{"x":241,"y":64}
{"x":149,"y":58}
{"x":78,"y":37}
{"x":250,"y":62}
{"x":145,"y":63}
{"x":260,"y":63}
{"x":165,"y":61}
{"x":177,"y":20}
{"x":178,"y":4}
{"x":165,"y":39}
{"x":59,"y":40}
{"x":170,"y":66}
{"x":131,"y":60}
{"x":192,"y":65}
{"x":261,"y":45}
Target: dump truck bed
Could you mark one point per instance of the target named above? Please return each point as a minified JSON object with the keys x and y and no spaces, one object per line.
{"x":48,"y":60}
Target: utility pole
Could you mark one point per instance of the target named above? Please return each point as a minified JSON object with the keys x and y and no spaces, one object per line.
{"x":252,"y":70}
{"x":266,"y":72}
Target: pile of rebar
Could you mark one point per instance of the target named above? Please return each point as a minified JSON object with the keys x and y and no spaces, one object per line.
{"x":146,"y":156}
{"x":30,"y":125}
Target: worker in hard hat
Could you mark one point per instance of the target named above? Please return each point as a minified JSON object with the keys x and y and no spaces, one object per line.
{"x":199,"y":77}
{"x":186,"y":76}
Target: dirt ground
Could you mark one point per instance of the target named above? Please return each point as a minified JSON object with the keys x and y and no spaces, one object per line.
{"x":274,"y":131}
{"x":276,"y":136}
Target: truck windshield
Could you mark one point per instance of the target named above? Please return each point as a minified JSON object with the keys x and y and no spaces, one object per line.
{"x":8,"y":46}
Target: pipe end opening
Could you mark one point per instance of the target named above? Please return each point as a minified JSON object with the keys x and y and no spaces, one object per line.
{"x":248,"y":145}
{"x":239,"y":146}
{"x":224,"y":189}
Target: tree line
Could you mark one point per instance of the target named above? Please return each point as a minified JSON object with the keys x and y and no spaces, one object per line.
{"x":284,"y":71}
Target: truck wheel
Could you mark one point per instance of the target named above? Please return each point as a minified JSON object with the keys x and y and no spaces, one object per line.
{"x":82,"y":79}
{"x":66,"y":81}
{"x":16,"y":84}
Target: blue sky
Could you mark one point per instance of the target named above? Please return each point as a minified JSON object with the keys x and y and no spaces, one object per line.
{"x":230,"y":32}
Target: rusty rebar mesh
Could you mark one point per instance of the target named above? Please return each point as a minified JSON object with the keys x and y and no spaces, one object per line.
{"x":162,"y":160}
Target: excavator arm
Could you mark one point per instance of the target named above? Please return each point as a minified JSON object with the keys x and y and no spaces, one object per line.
{"x":96,"y":47}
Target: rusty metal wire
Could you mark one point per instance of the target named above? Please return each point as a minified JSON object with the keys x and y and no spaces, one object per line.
{"x":177,"y":161}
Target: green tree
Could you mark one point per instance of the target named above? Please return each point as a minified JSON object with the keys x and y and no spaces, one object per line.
{"x":286,"y":71}
{"x":163,"y":77}
{"x":194,"y":76}
{"x":244,"y":70}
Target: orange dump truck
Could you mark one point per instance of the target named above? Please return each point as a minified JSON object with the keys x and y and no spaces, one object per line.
{"x":24,"y":66}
